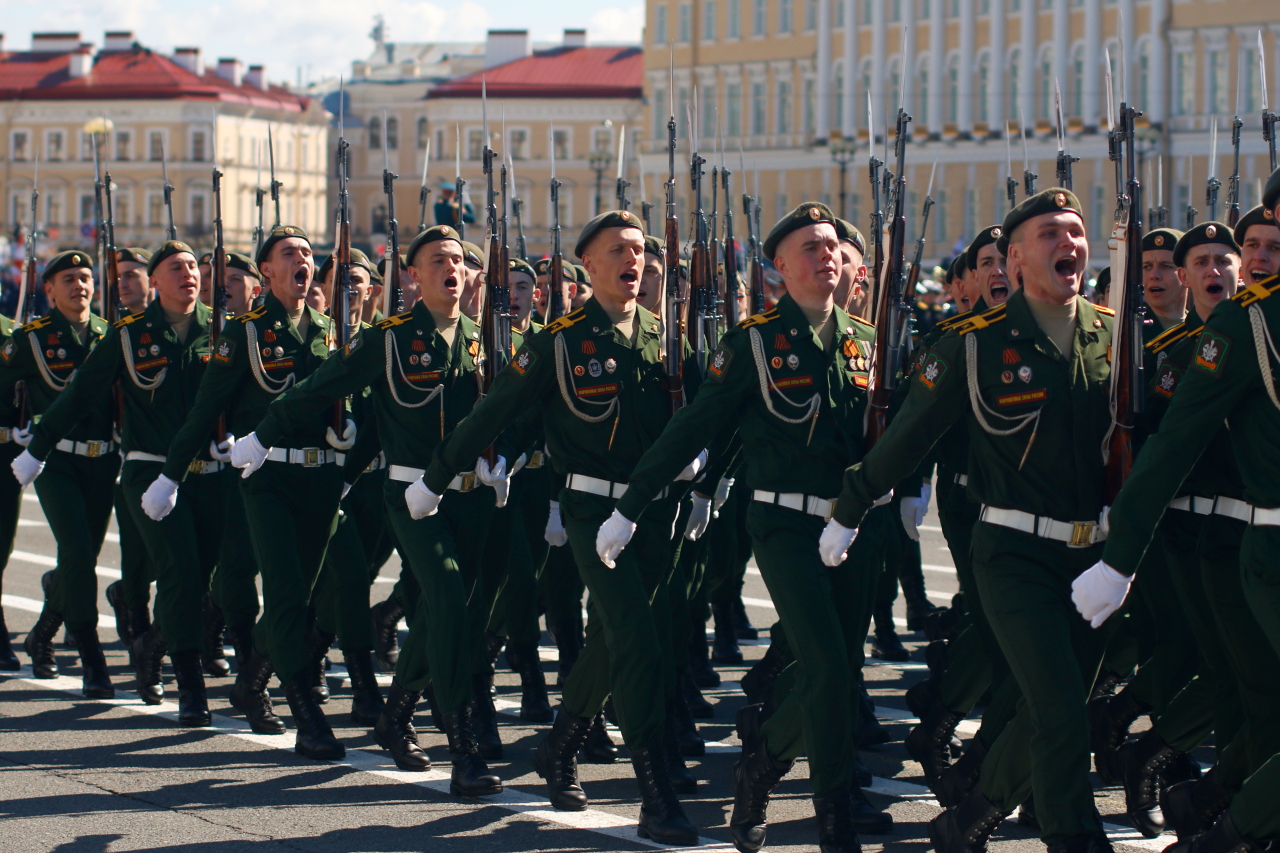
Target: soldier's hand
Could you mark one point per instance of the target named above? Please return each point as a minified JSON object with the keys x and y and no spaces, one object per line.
{"x":160,"y":498}
{"x":554,"y":534}
{"x":420,"y":500}
{"x":495,"y":476}
{"x":694,"y":468}
{"x":613,"y":536}
{"x":26,"y":468}
{"x":722,"y":494}
{"x":22,"y":435}
{"x":348,"y":439}
{"x":221,"y":450}
{"x":248,"y":454}
{"x":834,"y":543}
{"x":912,"y":511}
{"x":521,"y":461}
{"x":1098,"y":592}
{"x":699,"y":518}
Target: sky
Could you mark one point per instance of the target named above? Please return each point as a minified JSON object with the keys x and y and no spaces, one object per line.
{"x":323,"y":36}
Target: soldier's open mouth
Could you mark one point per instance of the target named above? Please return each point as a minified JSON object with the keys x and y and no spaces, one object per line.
{"x":629,"y":277}
{"x":1213,"y":289}
{"x":999,"y":291}
{"x":300,"y":276}
{"x":450,"y":282}
{"x":1259,"y":274}
{"x":1066,"y":266}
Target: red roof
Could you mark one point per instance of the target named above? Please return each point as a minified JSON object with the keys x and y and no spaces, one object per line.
{"x":137,"y":74}
{"x":564,"y":72}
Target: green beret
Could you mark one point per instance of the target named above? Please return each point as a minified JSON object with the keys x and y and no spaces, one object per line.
{"x":1271,"y":192}
{"x":244,"y":263}
{"x":1258,"y":216}
{"x":1052,"y":200}
{"x":74,"y":259}
{"x":473,"y":254}
{"x":382,"y":265}
{"x":654,"y":246}
{"x":168,"y":250}
{"x":580,"y":274}
{"x":1103,"y":282}
{"x":849,"y":233}
{"x":278,"y":233}
{"x":1205,"y":232}
{"x":358,"y":259}
{"x":987,"y":236}
{"x":1160,"y":238}
{"x":206,"y":259}
{"x":608,"y":219}
{"x":520,"y":265}
{"x":434,"y":234}
{"x":809,"y":213}
{"x":542,"y":266}
{"x":133,"y":256}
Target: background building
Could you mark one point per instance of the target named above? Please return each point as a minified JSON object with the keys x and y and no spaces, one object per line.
{"x":787,"y":81}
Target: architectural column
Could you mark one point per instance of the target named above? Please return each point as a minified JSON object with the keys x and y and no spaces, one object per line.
{"x":852,"y":84}
{"x":998,"y":82}
{"x":964,"y":109}
{"x":937,"y":42}
{"x":1092,"y":98}
{"x":822,"y":120}
{"x":1027,"y":67}
{"x":878,"y":62}
{"x":1061,"y":52}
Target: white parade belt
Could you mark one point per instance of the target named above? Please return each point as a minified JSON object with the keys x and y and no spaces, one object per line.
{"x":404,"y":474}
{"x":603,"y":488}
{"x":808,"y":504}
{"x":1076,"y":534}
{"x":91,"y":449}
{"x":1193,"y":503}
{"x":307,"y":457}
{"x":197,"y":466}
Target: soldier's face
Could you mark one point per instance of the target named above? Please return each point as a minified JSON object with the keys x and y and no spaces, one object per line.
{"x":521,"y":294}
{"x":289,"y":269}
{"x":71,"y":291}
{"x":470,"y":299}
{"x":992,"y":278}
{"x":361,"y":287}
{"x":242,"y":289}
{"x":1051,"y":255}
{"x":135,"y":286}
{"x":961,"y":293}
{"x":853,"y":272}
{"x":1165,"y":292}
{"x":1260,"y":253}
{"x":177,"y":281}
{"x":440,"y":273}
{"x":316,"y":299}
{"x":651,"y":282}
{"x":1212,"y":273}
{"x":809,"y":261}
{"x":615,"y":261}
{"x":206,"y":284}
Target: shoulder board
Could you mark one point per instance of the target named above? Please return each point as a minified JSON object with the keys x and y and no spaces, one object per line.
{"x":260,"y":311}
{"x":1257,"y":291}
{"x":952,"y":321}
{"x":566,"y":321}
{"x":397,"y":320}
{"x":864,"y":321}
{"x":1168,"y":338}
{"x":980,"y":321}
{"x":36,"y":324}
{"x":759,"y":319}
{"x":1102,"y":309}
{"x":124,"y":321}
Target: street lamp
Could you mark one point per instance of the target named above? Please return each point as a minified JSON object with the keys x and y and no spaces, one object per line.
{"x":599,"y":162}
{"x":841,"y":154}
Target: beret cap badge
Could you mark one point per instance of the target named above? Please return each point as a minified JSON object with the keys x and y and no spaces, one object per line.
{"x":814,"y":213}
{"x":75,"y":259}
{"x":1159,"y":239}
{"x":1060,"y":199}
{"x":1211,"y":231}
{"x":997,"y":231}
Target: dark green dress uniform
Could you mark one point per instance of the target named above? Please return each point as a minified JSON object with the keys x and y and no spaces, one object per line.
{"x":77,"y":486}
{"x":1036,"y":420}
{"x":290,"y":502}
{"x":1229,"y":376}
{"x":10,"y":497}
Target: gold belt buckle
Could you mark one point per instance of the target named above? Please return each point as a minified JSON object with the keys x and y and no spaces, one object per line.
{"x":94,"y":449}
{"x":311,"y":457}
{"x":1082,"y":534}
{"x":6,"y":434}
{"x":535,"y":459}
{"x":468,"y":482}
{"x":196,"y":466}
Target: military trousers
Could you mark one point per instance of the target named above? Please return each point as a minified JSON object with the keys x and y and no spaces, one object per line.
{"x":445,"y":645}
{"x":77,"y":494}
{"x":234,"y":587}
{"x":341,"y":596}
{"x":136,"y":569}
{"x":1024,"y":582}
{"x":10,"y":504}
{"x":629,"y":654}
{"x":821,"y":610}
{"x":291,"y":511}
{"x":514,"y":549}
{"x":182,"y":546}
{"x":560,"y":588}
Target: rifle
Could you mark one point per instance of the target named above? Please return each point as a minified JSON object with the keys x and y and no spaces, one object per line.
{"x":259,"y":194}
{"x":276,"y":186}
{"x":756,"y":269}
{"x":424,"y":192}
{"x":891,"y":312}
{"x":392,"y":296}
{"x":557,"y":297}
{"x":1269,"y":118}
{"x":340,"y":306}
{"x":170,"y":233}
{"x":517,"y":203}
{"x":673,"y":300}
{"x":1028,"y":176}
{"x":716,"y":300}
{"x":1233,"y":183}
{"x":1212,"y":185}
{"x":111,"y":268}
{"x":914,"y":276}
{"x":495,"y":320}
{"x":621,"y":191}
{"x":700,"y":310}
{"x":877,"y":213}
{"x":26,"y":308}
{"x":730,"y":252}
{"x":98,"y":215}
{"x":1161,"y":219}
{"x":218,"y":271}
{"x":458,"y":182}
{"x":1063,"y":171}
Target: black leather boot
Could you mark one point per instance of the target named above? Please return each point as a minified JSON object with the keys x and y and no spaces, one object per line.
{"x":866,"y":817}
{"x":918,"y":613}
{"x":681,"y":779}
{"x":568,"y":637}
{"x":249,"y":695}
{"x":935,"y":657}
{"x":661,"y":817}
{"x":471,"y":776}
{"x":861,"y":773}
{"x":139,"y":621}
{"x":918,"y":605}
{"x":366,"y":699}
{"x":120,"y":609}
{"x":315,"y":738}
{"x":942,"y":624}
{"x":742,"y":623}
{"x":836,"y":832}
{"x":148,"y":660}
{"x":193,"y":701}
{"x":698,"y":705}
{"x":1105,"y":684}
{"x":724,"y":647}
{"x":885,"y":645}
{"x":386,"y":617}
{"x":929,"y":742}
{"x":556,"y":760}
{"x":1142,"y":761}
{"x":394,"y":730}
{"x":1094,"y":842}
{"x":870,"y":730}
{"x":700,"y":668}
{"x":1109,"y":720}
{"x":755,"y":774}
{"x":318,"y":645}
{"x":967,"y":827}
{"x":1191,"y":808}
{"x":758,"y":681}
{"x":957,"y":781}
{"x":1222,"y":838}
{"x":534,"y":705}
{"x":599,"y":747}
{"x":96,"y":683}
{"x":689,"y":741}
{"x":39,"y":643}
{"x":8,"y":660}
{"x":212,"y":656}
{"x":241,"y":637}
{"x":484,"y":718}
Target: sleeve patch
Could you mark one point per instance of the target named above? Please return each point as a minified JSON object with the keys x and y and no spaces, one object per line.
{"x":524,"y":360}
{"x":1211,"y":352}
{"x":225,"y":350}
{"x":352,"y":347}
{"x":932,"y":371}
{"x":718,"y":366}
{"x":1167,"y":380}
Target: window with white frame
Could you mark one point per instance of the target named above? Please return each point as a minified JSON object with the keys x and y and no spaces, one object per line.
{"x":784,"y":106}
{"x":424,"y":132}
{"x":1218,"y":92}
{"x":54,"y":145}
{"x":1184,"y":82}
{"x":733,"y":19}
{"x":684,"y":33}
{"x":758,"y":107}
{"x":733,"y":109}
{"x":393,"y":138}
{"x":785,"y":22}
{"x":709,"y":20}
{"x":518,"y":144}
{"x":984,"y":89}
{"x":759,"y":17}
{"x":155,"y":145}
{"x":199,"y":146}
{"x":20,"y":145}
{"x":659,"y":25}
{"x":562,"y":142}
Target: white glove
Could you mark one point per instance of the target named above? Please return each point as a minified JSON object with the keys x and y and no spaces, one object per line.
{"x":420,"y":500}
{"x":160,"y":498}
{"x":1104,"y":522}
{"x":613,"y":536}
{"x":722,"y":494}
{"x":497,"y":477}
{"x":554,"y":534}
{"x":348,"y":439}
{"x":913,"y":510}
{"x":884,"y":499}
{"x":699,"y":518}
{"x":520,"y":463}
{"x":691,"y":470}
{"x":22,"y":435}
{"x":833,"y":544}
{"x":26,"y":468}
{"x":248,"y":454}
{"x":1098,"y":592}
{"x":346,"y":487}
{"x":221,"y":450}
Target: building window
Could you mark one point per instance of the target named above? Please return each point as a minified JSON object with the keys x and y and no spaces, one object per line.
{"x":1250,"y":86}
{"x":378,"y":222}
{"x":1015,"y":5}
{"x":120,"y":211}
{"x":922,"y":99}
{"x":685,"y":32}
{"x":1046,"y":85}
{"x":197,"y":214}
{"x":659,"y":116}
{"x":984,"y":8}
{"x":53,"y":210}
{"x":1015,"y":74}
{"x":810,"y":119}
{"x":953,"y":90}
{"x":519,"y":145}
{"x":940,"y":219}
{"x":424,"y":133}
{"x":86,"y":208}
{"x":1218,"y":92}
{"x":1184,"y":82}
{"x":155,"y":146}
{"x":659,"y":25}
{"x":784,"y":17}
{"x":757,"y":108}
{"x":837,"y":105}
{"x":155,"y":210}
{"x":709,"y":20}
{"x":560,"y":141}
{"x":784,"y":106}
{"x":20,"y":142}
{"x":783,"y":207}
{"x":926,"y":9}
{"x":758,"y":17}
{"x":810,"y":15}
{"x":838,"y":13}
{"x":707,"y":121}
{"x":984,"y":90}
{"x":895,"y":11}
{"x":895,"y":83}
{"x":953,"y":8}
{"x":602,"y":140}
{"x":733,"y":109}
{"x":199,"y":143}
{"x":86,"y":146}
{"x":475,"y":144}
{"x":866,"y":11}
{"x":1144,"y":72}
{"x":375,"y":132}
{"x":1076,"y":105}
{"x":393,"y":133}
{"x":733,"y":22}
{"x":54,"y":145}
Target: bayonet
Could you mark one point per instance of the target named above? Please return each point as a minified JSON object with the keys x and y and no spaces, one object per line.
{"x":1028,"y":176}
{"x":343,"y":289}
{"x":424,"y":192}
{"x":1063,"y":172}
{"x":621,"y":190}
{"x":1212,"y":185}
{"x":1233,"y":184}
{"x":171,"y":233}
{"x":673,"y":299}
{"x":495,"y":319}
{"x":276,"y":186}
{"x":1268,"y":117}
{"x":517,"y":204}
{"x":392,"y":295}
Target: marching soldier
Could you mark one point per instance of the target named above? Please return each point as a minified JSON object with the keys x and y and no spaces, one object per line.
{"x":10,"y":500}
{"x":76,"y":482}
{"x":244,"y":284}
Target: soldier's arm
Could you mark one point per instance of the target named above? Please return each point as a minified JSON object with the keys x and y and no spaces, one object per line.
{"x":15,"y":364}
{"x":925,"y":415}
{"x":368,"y":445}
{"x":345,"y":373}
{"x":93,"y":381}
{"x":222,"y":378}
{"x":1204,"y":398}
